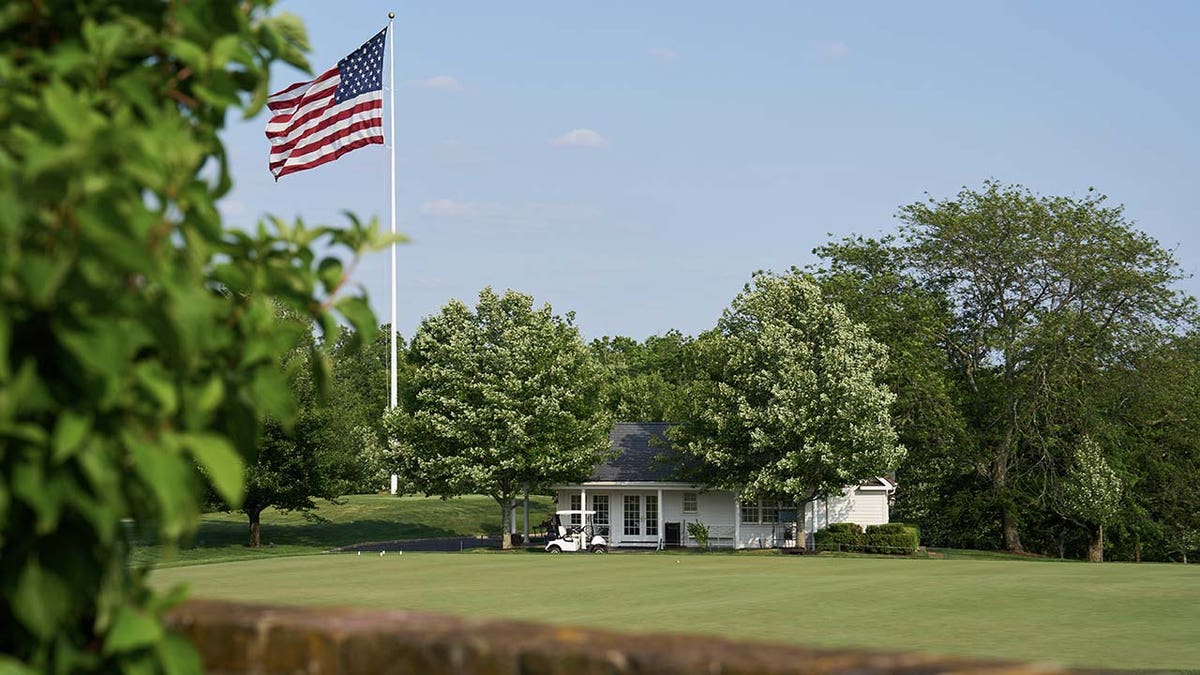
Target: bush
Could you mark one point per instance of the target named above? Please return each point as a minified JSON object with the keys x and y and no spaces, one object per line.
{"x":139,"y":345}
{"x":699,"y":532}
{"x":893,"y":538}
{"x":840,"y":537}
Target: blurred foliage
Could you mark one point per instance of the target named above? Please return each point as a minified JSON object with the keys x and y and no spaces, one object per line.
{"x":139,"y":345}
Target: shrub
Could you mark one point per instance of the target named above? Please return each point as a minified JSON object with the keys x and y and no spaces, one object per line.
{"x":893,"y":538}
{"x":840,"y":537}
{"x":699,"y":532}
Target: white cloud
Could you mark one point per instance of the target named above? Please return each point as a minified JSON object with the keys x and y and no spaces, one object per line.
{"x":441,"y":82}
{"x":833,"y":50}
{"x":583,"y":138}
{"x":664,"y":53}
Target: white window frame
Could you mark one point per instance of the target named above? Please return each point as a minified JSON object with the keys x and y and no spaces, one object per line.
{"x":576,"y":502}
{"x":636,"y":512}
{"x":602,"y":514}
{"x":695,"y":500}
{"x":750,"y":512}
{"x":755,"y":511}
{"x":650,"y":524}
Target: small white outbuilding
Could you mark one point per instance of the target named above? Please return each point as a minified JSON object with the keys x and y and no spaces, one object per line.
{"x":638,"y":502}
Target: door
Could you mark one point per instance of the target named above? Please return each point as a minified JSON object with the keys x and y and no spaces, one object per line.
{"x":633,"y":516}
{"x":674,"y":532}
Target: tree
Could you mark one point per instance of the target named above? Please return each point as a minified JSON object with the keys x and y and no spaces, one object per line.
{"x":647,"y":381}
{"x":139,"y":348}
{"x":314,"y":456}
{"x":791,"y":402}
{"x":870,"y":279}
{"x":1046,"y":293}
{"x":1092,"y":493}
{"x":503,"y":397}
{"x":1156,"y":398}
{"x":360,"y":390}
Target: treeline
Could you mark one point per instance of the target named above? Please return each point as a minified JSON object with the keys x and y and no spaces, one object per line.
{"x":1044,"y":366}
{"x":1036,"y":359}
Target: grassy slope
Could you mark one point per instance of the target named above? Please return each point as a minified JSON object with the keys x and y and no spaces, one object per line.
{"x":1114,"y":615}
{"x":359,"y":519}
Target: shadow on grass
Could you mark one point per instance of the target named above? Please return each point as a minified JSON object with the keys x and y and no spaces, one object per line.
{"x":323,"y":535}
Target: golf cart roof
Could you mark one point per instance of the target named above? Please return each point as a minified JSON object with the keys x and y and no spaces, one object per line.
{"x":573,"y":512}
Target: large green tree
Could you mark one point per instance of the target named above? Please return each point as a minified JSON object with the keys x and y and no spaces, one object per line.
{"x":646,"y":381}
{"x":869,"y":278}
{"x":791,"y":401}
{"x":1156,"y":400}
{"x":315,"y":455}
{"x":504,"y":397}
{"x":139,"y":347}
{"x":1047,"y":294}
{"x":360,"y":391}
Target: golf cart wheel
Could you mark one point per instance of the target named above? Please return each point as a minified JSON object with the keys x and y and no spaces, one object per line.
{"x":599,"y":549}
{"x":555,"y":549}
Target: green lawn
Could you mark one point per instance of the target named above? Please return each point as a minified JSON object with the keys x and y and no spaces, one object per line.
{"x":357,"y":519}
{"x":1112,"y":615}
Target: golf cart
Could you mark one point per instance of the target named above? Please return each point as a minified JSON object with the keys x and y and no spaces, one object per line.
{"x":562,"y":537}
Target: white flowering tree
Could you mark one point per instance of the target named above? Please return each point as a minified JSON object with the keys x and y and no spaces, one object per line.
{"x":792,"y":402}
{"x":503,"y":397}
{"x":1092,"y":493}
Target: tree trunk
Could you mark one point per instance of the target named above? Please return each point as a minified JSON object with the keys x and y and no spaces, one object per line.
{"x":1095,"y":552}
{"x":505,"y":521}
{"x":255,"y":528}
{"x":1012,"y":536}
{"x":1137,"y":550}
{"x":1008,"y":521}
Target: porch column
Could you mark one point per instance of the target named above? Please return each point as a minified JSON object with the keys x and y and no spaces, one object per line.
{"x":661,"y":524}
{"x":526,"y":539}
{"x":737,"y":519}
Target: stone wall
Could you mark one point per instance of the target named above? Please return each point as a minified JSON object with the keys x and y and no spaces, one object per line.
{"x":234,"y":638}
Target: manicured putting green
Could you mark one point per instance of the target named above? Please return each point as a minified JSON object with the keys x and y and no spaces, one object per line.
{"x":1112,"y":615}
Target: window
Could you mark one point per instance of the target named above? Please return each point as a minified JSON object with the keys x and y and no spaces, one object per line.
{"x":652,"y":515}
{"x":633,"y":515}
{"x":769,"y":512}
{"x":600,"y":505}
{"x":750,"y":511}
{"x":765,"y":509}
{"x":576,"y":505}
{"x":690,"y":502}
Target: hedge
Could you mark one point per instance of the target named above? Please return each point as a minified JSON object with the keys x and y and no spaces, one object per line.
{"x":839,"y":537}
{"x":892,"y":538}
{"x":895,"y":538}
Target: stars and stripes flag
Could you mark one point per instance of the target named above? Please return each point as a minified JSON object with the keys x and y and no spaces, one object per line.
{"x":320,"y":120}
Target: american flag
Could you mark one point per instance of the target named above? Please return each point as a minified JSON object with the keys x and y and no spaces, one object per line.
{"x":320,"y":120}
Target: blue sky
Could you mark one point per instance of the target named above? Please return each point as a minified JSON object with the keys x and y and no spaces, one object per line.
{"x":636,"y":162}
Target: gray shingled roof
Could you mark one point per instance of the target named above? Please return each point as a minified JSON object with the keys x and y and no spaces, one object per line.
{"x":638,"y":445}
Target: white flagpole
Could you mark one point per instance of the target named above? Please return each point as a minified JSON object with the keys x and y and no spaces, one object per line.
{"x":392,"y":189}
